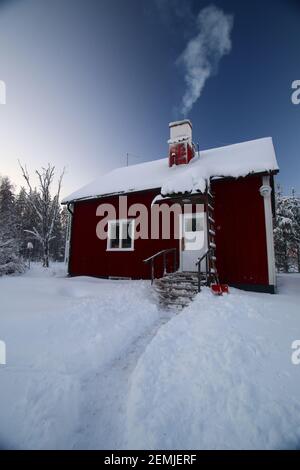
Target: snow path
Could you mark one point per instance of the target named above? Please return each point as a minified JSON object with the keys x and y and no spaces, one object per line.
{"x":72,"y":345}
{"x":103,"y":410}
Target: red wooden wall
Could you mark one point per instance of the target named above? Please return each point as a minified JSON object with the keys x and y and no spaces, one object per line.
{"x":89,"y":255}
{"x":240,"y":235}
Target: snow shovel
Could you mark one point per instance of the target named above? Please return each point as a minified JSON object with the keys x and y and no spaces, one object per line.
{"x":216,"y":289}
{"x":225,"y":288}
{"x":219,"y":289}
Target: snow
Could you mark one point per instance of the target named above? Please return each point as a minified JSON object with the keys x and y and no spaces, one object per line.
{"x":63,"y":336}
{"x":96,"y":364}
{"x":232,"y":160}
{"x":220,"y":376}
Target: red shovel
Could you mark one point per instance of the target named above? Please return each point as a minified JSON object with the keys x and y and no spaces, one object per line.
{"x":219,"y":289}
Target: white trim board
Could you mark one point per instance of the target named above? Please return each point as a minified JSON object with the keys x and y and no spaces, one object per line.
{"x":269,"y":228}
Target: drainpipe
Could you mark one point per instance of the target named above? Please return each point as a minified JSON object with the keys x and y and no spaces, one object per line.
{"x":266,"y":192}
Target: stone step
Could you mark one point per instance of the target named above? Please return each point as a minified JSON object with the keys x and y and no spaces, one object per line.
{"x":174,"y":303}
{"x":176,"y":298}
{"x":176,"y":290}
{"x":177,"y":285}
{"x":187,"y":278}
{"x":176,"y":280}
{"x":176,"y":293}
{"x":183,"y":278}
{"x":175,"y":307}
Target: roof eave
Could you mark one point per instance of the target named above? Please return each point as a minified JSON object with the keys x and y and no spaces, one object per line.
{"x":120,"y":193}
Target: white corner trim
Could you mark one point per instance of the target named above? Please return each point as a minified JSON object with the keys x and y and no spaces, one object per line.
{"x":68,"y":236}
{"x":265,"y":191}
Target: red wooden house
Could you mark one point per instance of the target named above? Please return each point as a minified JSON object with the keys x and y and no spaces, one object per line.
{"x":229,"y":192}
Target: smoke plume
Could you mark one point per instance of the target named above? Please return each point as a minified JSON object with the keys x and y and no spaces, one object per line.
{"x":203,"y":53}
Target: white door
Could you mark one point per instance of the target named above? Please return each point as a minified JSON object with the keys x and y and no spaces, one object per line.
{"x":193,"y":243}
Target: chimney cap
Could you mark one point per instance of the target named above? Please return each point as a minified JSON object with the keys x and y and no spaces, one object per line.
{"x":179,"y":123}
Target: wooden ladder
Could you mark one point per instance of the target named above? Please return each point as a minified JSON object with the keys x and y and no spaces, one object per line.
{"x":211,"y":259}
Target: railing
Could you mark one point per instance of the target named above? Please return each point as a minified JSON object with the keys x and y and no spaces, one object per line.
{"x":198,"y":263}
{"x":164,"y":254}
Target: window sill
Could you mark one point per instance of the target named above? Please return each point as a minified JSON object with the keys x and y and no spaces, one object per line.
{"x":119,"y":249}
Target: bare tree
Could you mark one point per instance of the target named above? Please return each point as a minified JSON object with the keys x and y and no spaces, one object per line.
{"x":44,"y":205}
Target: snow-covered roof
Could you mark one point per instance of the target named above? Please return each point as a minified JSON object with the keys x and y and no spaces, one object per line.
{"x":255,"y":156}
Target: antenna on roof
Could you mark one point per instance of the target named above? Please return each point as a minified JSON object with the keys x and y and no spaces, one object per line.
{"x":131,"y":155}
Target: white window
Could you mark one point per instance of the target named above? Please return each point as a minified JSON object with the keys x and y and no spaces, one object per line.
{"x":193,"y":231}
{"x":120,"y":235}
{"x":194,"y":222}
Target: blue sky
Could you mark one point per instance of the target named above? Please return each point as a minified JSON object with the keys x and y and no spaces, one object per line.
{"x":89,"y":80}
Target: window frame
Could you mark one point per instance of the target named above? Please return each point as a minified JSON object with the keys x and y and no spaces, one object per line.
{"x":121,"y":223}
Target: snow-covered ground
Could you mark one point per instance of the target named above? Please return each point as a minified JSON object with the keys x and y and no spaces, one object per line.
{"x":96,"y":364}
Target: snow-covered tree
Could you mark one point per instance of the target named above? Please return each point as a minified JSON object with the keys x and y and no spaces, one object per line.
{"x":295,"y":209}
{"x":45,"y":207}
{"x":59,"y":234}
{"x":26,"y":219}
{"x":10,"y":258}
{"x":287,"y":232}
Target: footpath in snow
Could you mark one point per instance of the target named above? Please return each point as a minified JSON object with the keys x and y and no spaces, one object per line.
{"x":71,"y":346}
{"x":96,"y":364}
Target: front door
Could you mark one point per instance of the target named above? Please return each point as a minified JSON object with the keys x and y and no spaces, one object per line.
{"x":193,"y":241}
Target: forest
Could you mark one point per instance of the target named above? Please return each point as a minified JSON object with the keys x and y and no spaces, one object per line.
{"x":32,"y":223}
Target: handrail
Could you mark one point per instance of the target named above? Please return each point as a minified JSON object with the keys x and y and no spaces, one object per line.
{"x":198,"y":263}
{"x":203,"y":256}
{"x":156,"y":255}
